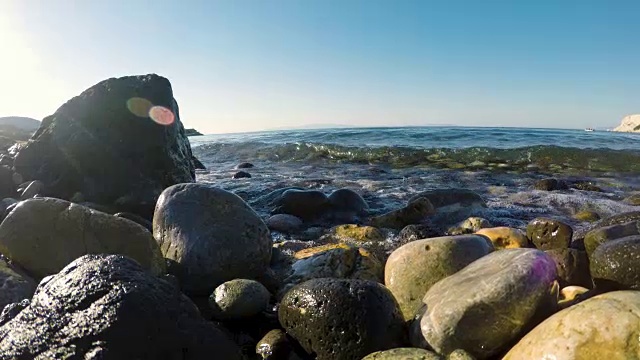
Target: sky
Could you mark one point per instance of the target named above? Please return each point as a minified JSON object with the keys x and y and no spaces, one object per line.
{"x":246,"y":65}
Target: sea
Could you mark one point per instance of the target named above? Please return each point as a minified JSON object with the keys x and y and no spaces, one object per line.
{"x":389,"y":165}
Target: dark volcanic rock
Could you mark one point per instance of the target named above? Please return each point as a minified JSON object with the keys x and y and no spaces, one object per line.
{"x":108,"y":307}
{"x":305,"y":204}
{"x":120,"y":142}
{"x":348,"y":201}
{"x":616,"y":264}
{"x":241,"y":175}
{"x":198,"y":164}
{"x":244,"y":165}
{"x":342,"y":319}
{"x":548,"y":234}
{"x":212,"y":235}
{"x":416,"y":232}
{"x":550,"y":184}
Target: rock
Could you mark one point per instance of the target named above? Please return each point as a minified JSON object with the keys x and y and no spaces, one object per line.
{"x":452,"y":205}
{"x":547,"y":234}
{"x":572,"y":267}
{"x":460,"y":354}
{"x":34,"y":188}
{"x":305,"y":204}
{"x":505,"y":237}
{"x":618,"y":219}
{"x":108,"y":307}
{"x":352,"y":233}
{"x":633,"y":199}
{"x":595,"y":238}
{"x":274,"y":346}
{"x":469,"y":226}
{"x":340,"y":261}
{"x":403,"y":354}
{"x":238,"y":299}
{"x":43,"y":235}
{"x":6,"y":205}
{"x":630,"y":123}
{"x":570,"y":296}
{"x":616,"y":264}
{"x":415,"y":212}
{"x":416,"y":232}
{"x":14,"y":285}
{"x":119,"y":143}
{"x":345,"y":200}
{"x":212,"y":234}
{"x":244,"y":165}
{"x":136,"y":218}
{"x":550,"y":184}
{"x":603,"y":327}
{"x":197,"y":164}
{"x":486,"y":305}
{"x":241,"y":175}
{"x":284,"y":223}
{"x":192,"y":132}
{"x":586,"y":215}
{"x":412,"y":269}
{"x":586,"y":186}
{"x":339,"y":319}
{"x":7,"y":185}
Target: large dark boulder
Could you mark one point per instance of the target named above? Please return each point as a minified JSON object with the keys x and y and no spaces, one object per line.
{"x":108,"y":307}
{"x":118,"y":143}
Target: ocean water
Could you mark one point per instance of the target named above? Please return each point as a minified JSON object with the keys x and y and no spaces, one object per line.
{"x":389,"y":165}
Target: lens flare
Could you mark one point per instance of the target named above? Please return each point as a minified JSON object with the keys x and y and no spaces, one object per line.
{"x":161,"y":115}
{"x":139,"y":106}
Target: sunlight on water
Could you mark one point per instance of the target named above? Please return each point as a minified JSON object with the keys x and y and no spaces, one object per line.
{"x":144,"y":108}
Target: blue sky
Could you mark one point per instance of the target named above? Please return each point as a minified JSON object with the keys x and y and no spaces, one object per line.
{"x":243,"y":65}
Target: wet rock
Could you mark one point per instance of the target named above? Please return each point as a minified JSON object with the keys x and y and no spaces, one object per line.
{"x":284,"y":223}
{"x":14,"y":284}
{"x":602,"y":327}
{"x":585,"y":186}
{"x":586,"y":215}
{"x":43,"y":235}
{"x":239,"y":298}
{"x":305,"y":204}
{"x":6,"y":205}
{"x":595,"y":238}
{"x":415,"y":212}
{"x":339,"y":319}
{"x":403,"y":354}
{"x":452,"y":205}
{"x":469,"y":226}
{"x":616,"y":264}
{"x":550,"y":184}
{"x":460,"y":354}
{"x":570,"y":296}
{"x":486,"y":305}
{"x":633,"y":199}
{"x":345,"y":200}
{"x":212,"y":234}
{"x":572,"y":267}
{"x":274,"y":346}
{"x":352,"y":233}
{"x":7,"y":185}
{"x":34,"y":188}
{"x":416,"y":232}
{"x":241,"y":175}
{"x":136,"y":218}
{"x":108,"y":307}
{"x":340,"y":261}
{"x":505,"y":237}
{"x":244,"y":165}
{"x":412,"y":269}
{"x":119,"y":143}
{"x":548,"y":234}
{"x":197,"y":164}
{"x":618,"y":219}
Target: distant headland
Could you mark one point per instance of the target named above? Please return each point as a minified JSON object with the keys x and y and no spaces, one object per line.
{"x":630,"y":123}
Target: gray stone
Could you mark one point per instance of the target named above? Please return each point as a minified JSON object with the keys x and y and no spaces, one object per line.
{"x":452,"y":205}
{"x":547,"y":234}
{"x":284,"y":223}
{"x":346,"y":200}
{"x":572,"y":267}
{"x":213,"y":236}
{"x":14,"y":284}
{"x":415,"y":212}
{"x":305,"y":204}
{"x":603,"y":327}
{"x":413,"y":268}
{"x":599,"y":236}
{"x":485,"y":306}
{"x":239,"y":298}
{"x":108,"y":307}
{"x":403,"y":354}
{"x":34,"y":188}
{"x":342,"y":319}
{"x":43,"y":235}
{"x":469,"y":226}
{"x":616,"y":264}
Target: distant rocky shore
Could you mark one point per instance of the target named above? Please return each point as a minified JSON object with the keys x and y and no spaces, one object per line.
{"x":192,"y":132}
{"x":111,"y":250}
{"x":630,"y":123}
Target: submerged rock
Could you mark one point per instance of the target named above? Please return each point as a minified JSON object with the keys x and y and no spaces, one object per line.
{"x":412,"y":269}
{"x":616,"y":264}
{"x":452,"y":205}
{"x":486,"y":305}
{"x":242,"y":175}
{"x":108,"y":307}
{"x":212,"y":235}
{"x":120,"y":142}
{"x":603,"y":327}
{"x":547,"y":234}
{"x":415,"y":212}
{"x":43,"y":235}
{"x":550,"y":184}
{"x":342,"y":319}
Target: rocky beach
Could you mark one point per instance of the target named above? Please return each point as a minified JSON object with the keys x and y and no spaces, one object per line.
{"x":124,"y":238}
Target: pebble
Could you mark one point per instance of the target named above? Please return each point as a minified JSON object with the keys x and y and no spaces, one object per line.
{"x":238,"y":299}
{"x":548,"y":234}
{"x":505,"y":237}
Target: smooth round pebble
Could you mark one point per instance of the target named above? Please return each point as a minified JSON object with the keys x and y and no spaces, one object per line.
{"x":239,"y":298}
